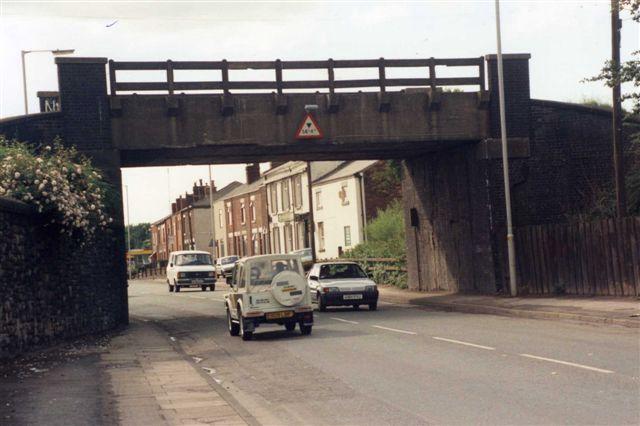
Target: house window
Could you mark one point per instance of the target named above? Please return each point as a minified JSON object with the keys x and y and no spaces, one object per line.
{"x":256,"y":244}
{"x":347,"y":236}
{"x":229,"y":215}
{"x":284,"y":189}
{"x":220,"y":218}
{"x":301,"y":231}
{"x":343,"y":194}
{"x":243,"y":214}
{"x":276,"y":240}
{"x":320,"y":236}
{"x":297,"y":191}
{"x":252,"y":211}
{"x":318,"y":200}
{"x":288,"y":238}
{"x":273,"y":189}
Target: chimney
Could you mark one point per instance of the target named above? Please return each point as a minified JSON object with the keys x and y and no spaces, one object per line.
{"x":253,"y":172}
{"x":174,"y":208}
{"x":275,"y":164}
{"x":213,"y":187}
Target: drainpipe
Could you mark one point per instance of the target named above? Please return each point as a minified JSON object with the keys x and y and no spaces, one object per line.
{"x":363,"y":213}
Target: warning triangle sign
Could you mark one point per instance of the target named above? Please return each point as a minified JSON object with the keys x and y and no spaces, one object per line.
{"x":309,"y":129}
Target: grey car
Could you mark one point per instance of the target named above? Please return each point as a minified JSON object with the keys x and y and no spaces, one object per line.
{"x":224,"y":266}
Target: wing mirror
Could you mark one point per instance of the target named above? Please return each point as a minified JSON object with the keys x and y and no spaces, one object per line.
{"x":313,"y":278}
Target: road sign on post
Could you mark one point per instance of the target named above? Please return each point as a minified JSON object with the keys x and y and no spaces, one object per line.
{"x":309,"y":129}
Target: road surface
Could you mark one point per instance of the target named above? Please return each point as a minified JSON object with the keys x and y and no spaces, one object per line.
{"x":404,"y":365}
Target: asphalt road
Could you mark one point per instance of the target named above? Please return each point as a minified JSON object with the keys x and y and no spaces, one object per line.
{"x":404,"y":365}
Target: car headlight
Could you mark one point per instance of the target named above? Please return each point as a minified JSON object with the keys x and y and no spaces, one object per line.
{"x":330,"y":289}
{"x":370,"y":288}
{"x":182,"y":274}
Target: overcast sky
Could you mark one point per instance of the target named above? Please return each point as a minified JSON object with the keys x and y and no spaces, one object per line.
{"x":568,"y":41}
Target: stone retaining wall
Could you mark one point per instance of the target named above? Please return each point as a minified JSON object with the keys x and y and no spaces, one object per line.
{"x":51,"y":288}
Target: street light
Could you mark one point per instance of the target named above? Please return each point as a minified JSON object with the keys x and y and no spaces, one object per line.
{"x":511,"y":252}
{"x":54,"y":52}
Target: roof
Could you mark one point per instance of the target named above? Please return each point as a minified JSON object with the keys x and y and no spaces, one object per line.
{"x":318,"y":168}
{"x":348,"y":169}
{"x":245,"y":188}
{"x":218,"y":194}
{"x":189,"y":252}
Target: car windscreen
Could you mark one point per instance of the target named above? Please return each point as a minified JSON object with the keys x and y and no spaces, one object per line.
{"x":228,"y":260}
{"x":336,"y":271}
{"x":262,"y":272}
{"x":191,"y":259}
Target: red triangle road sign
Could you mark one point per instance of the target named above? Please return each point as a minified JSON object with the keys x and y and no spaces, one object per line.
{"x":309,"y":129}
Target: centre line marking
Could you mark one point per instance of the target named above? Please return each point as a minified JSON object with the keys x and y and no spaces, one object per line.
{"x":343,"y":320}
{"x":394,"y":329}
{"x":488,"y":348}
{"x":570,"y":364}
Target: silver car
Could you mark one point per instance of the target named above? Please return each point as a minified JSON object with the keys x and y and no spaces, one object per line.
{"x":224,"y":266}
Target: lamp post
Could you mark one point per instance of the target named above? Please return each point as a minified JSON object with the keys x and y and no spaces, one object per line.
{"x":128,"y":225}
{"x":55,"y":52}
{"x":312,"y":231}
{"x":511,"y":253}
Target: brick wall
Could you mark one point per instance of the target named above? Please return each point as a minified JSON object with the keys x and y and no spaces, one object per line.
{"x":53,"y":289}
{"x":37,"y":128}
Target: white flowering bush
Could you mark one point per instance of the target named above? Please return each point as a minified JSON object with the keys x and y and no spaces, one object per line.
{"x":59,"y":182}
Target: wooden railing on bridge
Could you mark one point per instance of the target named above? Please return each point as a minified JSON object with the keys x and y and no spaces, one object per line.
{"x":278,"y":84}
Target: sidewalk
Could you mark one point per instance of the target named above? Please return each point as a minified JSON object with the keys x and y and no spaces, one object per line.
{"x":599,"y":310}
{"x":135,"y":376}
{"x":153,"y":383}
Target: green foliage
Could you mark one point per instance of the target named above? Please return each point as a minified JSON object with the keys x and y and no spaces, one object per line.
{"x":59,"y":182}
{"x":592,"y":102}
{"x":140,"y":235}
{"x":385,"y":239}
{"x":385,"y":235}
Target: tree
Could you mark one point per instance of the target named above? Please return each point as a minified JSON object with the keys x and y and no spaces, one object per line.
{"x":627,"y":72}
{"x":140,"y":235}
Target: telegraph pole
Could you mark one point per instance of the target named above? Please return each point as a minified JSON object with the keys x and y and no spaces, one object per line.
{"x":618,"y":163}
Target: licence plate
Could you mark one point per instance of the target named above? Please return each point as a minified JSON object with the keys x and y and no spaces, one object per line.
{"x":352,"y":296}
{"x":198,"y":281}
{"x":278,"y":315}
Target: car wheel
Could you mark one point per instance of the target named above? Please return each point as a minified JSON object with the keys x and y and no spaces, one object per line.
{"x":290,"y":326}
{"x":321,"y":303}
{"x":212,"y":288}
{"x":246,"y":335}
{"x":373,"y":306}
{"x":203,"y":287}
{"x":356,"y":307}
{"x":305,"y":329}
{"x":234,"y":328}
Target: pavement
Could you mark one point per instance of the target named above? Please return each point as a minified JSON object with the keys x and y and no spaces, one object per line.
{"x":596,"y":310}
{"x":406,"y":363}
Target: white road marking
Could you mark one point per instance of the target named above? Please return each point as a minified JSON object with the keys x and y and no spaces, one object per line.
{"x":344,"y":320}
{"x":488,"y":348}
{"x":570,"y":364}
{"x":394,"y":329}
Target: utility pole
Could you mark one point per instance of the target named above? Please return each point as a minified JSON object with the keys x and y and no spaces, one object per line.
{"x":213,"y":244}
{"x":312,"y":231}
{"x":513,"y":285}
{"x":618,"y":161}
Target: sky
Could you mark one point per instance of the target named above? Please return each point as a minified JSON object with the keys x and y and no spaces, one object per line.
{"x":568,"y":41}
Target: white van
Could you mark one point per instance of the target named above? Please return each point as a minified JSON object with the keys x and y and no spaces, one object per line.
{"x":190,"y":268}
